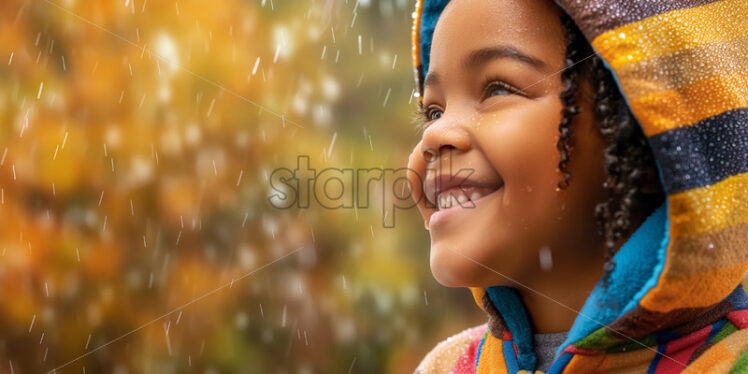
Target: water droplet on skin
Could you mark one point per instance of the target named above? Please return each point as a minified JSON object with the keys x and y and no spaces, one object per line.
{"x":528,"y":188}
{"x":546,"y":258}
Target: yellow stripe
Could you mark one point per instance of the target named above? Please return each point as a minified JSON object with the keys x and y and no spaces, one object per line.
{"x":673,"y":31}
{"x":695,"y":214}
{"x":478,"y":293}
{"x":662,"y":111}
{"x":491,"y":357}
{"x":711,"y":208}
{"x":669,"y":72}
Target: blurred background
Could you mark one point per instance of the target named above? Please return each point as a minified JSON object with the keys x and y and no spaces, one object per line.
{"x":136,"y":142}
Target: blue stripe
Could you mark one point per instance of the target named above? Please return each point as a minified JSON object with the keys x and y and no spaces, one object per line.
{"x":561,"y":363}
{"x":480,"y":349}
{"x":653,"y":365}
{"x":716,"y":326}
{"x":663,"y":338}
{"x":666,"y":336}
{"x":510,"y":357}
{"x":639,"y":263}
{"x":705,"y":153}
{"x":509,"y":304}
{"x":738,"y":298}
{"x":429,"y":15}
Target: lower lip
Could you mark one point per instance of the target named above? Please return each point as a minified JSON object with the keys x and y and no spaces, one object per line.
{"x":441,"y":215}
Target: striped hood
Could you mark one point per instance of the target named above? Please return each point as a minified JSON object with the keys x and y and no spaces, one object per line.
{"x":676,"y":291}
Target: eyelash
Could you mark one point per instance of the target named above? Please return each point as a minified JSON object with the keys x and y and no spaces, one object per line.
{"x":498,"y":83}
{"x":422,"y":117}
{"x":424,"y":113}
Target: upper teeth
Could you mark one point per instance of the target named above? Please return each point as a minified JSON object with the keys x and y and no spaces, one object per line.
{"x":456,"y":197}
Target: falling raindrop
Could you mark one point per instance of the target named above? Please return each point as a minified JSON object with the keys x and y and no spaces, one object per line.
{"x":31,"y":326}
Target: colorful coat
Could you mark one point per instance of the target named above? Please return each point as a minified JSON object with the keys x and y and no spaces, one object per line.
{"x":675,"y":302}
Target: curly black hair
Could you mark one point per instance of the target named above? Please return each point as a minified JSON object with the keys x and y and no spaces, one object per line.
{"x":632,"y":182}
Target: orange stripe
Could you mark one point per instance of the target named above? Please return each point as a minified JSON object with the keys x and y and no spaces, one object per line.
{"x":698,"y":289}
{"x":416,"y":47}
{"x":712,"y":212}
{"x":662,"y":111}
{"x":584,"y":364}
{"x":673,"y":31}
{"x":626,"y":362}
{"x":720,"y":357}
{"x":715,"y":249}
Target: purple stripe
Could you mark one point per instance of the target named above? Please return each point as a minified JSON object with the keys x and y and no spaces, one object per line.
{"x":597,"y":17}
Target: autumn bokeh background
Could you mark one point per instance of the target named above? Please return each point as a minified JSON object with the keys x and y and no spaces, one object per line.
{"x":136,"y":142}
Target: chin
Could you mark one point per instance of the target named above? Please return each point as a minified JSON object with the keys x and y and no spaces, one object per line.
{"x":452,"y":270}
{"x":447,"y":278}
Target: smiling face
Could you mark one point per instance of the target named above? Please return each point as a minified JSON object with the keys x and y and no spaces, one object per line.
{"x":488,"y":153}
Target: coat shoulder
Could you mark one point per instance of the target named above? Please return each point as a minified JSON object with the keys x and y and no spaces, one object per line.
{"x":444,"y":355}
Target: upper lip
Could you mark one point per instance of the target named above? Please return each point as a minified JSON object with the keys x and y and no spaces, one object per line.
{"x":433,"y":186}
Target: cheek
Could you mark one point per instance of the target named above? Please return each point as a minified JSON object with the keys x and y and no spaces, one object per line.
{"x":416,"y":173}
{"x":521,"y":145}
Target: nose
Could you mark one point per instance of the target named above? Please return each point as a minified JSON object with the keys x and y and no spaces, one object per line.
{"x":442,"y":137}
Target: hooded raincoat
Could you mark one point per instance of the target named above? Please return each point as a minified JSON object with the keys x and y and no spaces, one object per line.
{"x":675,"y":301}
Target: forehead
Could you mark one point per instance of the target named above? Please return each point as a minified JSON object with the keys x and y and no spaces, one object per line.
{"x":531,"y":26}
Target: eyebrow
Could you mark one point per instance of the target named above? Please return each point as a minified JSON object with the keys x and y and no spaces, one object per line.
{"x":481,"y":56}
{"x":484,"y":55}
{"x":431,"y":80}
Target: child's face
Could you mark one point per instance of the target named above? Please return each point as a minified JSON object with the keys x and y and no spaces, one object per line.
{"x":508,"y":140}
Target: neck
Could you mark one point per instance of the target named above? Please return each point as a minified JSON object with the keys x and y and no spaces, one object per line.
{"x":559,"y":294}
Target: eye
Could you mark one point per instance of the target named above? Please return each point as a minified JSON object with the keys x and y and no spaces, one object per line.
{"x":496,"y":87}
{"x":429,"y":113}
{"x":435,"y":114}
{"x":426,"y":115}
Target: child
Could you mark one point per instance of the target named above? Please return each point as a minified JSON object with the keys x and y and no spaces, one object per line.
{"x":600,"y":231}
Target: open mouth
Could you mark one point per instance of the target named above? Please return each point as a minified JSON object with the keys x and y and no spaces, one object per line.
{"x":461,"y":196}
{"x":445,"y":191}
